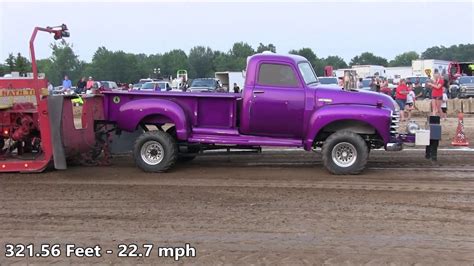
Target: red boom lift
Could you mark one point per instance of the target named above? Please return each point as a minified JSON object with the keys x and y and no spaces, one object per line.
{"x":39,"y":131}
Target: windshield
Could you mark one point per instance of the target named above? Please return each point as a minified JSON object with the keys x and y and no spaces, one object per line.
{"x":148,"y":86}
{"x":326,"y":81}
{"x":203,"y":83}
{"x":467,"y":79}
{"x":308,"y":73}
{"x":366,"y":83}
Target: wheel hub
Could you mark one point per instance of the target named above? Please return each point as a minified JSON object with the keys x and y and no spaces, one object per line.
{"x":152,"y":152}
{"x":344,"y":154}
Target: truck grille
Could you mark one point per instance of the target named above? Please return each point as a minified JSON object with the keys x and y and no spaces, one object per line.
{"x":394,"y":124}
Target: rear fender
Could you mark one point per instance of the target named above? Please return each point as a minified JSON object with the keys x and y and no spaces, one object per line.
{"x":378,"y":118}
{"x":133,"y":112}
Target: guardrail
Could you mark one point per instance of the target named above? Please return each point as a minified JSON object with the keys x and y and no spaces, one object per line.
{"x":454,"y":106}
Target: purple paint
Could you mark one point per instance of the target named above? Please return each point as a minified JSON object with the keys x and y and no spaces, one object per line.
{"x":263,"y":115}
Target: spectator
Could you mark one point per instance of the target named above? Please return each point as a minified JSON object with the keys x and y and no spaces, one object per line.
{"x":236,"y":88}
{"x":360,"y":85}
{"x":385,"y":89}
{"x":410,"y":103}
{"x":157,"y":87}
{"x":444,"y":105}
{"x":50,"y":88}
{"x":66,"y":84}
{"x":375,"y":84}
{"x":418,"y":89}
{"x":81,"y":85}
{"x":436,"y":94}
{"x":401,"y":97}
{"x":90,"y":83}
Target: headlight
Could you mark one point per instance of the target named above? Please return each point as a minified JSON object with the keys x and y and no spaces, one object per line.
{"x":412,"y":127}
{"x":463,"y":88}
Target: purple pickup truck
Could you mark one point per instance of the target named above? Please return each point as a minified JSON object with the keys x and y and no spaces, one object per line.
{"x":282,"y":104}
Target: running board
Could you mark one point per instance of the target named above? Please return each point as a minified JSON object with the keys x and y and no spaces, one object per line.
{"x":245,"y":140}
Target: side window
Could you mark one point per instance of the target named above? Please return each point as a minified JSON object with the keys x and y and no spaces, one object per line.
{"x":277,"y":75}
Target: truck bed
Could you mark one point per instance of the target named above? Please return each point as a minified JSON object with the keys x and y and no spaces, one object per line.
{"x":204,"y":110}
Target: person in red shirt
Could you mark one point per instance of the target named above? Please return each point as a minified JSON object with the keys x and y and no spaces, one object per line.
{"x":401,"y":97}
{"x":436,"y":94}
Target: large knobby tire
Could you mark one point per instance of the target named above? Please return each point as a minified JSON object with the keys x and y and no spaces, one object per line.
{"x":183,"y":156}
{"x":155,"y":151}
{"x":345,"y":153}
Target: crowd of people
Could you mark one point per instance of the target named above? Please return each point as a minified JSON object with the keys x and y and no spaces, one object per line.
{"x":82,"y":86}
{"x":406,"y":96}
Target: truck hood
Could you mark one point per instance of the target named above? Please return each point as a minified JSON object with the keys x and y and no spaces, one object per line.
{"x":339,"y":96}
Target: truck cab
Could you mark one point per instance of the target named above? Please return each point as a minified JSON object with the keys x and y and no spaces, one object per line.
{"x":282,"y":104}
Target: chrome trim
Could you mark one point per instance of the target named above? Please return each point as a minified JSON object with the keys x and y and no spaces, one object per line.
{"x":394,"y":147}
{"x":394,"y":124}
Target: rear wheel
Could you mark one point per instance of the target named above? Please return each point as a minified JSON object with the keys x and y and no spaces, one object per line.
{"x":155,"y":151}
{"x":345,"y":153}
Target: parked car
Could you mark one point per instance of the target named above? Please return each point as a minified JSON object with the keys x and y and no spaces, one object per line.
{"x":107,"y":85}
{"x":205,"y":85}
{"x":366,"y":84}
{"x":156,"y":86}
{"x":331,"y":81}
{"x":137,"y":86}
{"x":463,"y":87}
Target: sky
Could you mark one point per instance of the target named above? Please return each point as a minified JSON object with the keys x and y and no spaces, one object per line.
{"x":329,"y":28}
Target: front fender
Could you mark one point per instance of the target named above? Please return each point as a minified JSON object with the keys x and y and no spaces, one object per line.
{"x":378,"y":118}
{"x":131,"y":113}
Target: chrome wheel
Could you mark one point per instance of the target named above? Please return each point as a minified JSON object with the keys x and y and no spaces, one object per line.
{"x":152,"y":152}
{"x":344,"y":154}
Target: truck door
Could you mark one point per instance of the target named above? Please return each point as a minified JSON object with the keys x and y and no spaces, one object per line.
{"x":277,"y":104}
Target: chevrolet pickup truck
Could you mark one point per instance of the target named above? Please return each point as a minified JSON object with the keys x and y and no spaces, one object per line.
{"x":282,"y":104}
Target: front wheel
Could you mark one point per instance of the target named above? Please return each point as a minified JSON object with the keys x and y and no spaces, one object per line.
{"x":345,"y":153}
{"x":155,"y":151}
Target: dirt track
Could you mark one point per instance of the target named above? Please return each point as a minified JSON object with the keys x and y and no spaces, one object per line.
{"x":278,"y":207}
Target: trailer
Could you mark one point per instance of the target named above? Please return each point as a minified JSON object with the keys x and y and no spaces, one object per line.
{"x":427,"y":67}
{"x":398,"y":72}
{"x":364,"y":71}
{"x":228,"y":78}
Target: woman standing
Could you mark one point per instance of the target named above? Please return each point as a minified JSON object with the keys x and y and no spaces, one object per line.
{"x":401,"y":97}
{"x":436,"y":94}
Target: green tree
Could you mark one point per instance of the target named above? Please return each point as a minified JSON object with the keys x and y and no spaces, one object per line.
{"x":404,"y":59}
{"x":306,"y":53}
{"x":44,"y":65}
{"x":224,"y":62}
{"x":368,"y":59}
{"x":10,"y":62}
{"x":270,"y":47}
{"x":239,"y":53}
{"x":3,"y":70}
{"x":335,"y":61}
{"x":174,"y":60}
{"x":63,"y":62}
{"x":17,"y":63}
{"x":461,"y":52}
{"x":116,"y":66}
{"x":22,"y":64}
{"x":201,"y":60}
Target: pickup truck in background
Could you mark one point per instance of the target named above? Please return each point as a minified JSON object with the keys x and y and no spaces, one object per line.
{"x":282,"y":104}
{"x":204,"y":85}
